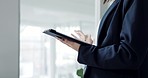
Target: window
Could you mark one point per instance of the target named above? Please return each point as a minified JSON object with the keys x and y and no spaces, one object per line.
{"x":41,"y":56}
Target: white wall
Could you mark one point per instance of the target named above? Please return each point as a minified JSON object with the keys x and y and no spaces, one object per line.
{"x":9,"y":38}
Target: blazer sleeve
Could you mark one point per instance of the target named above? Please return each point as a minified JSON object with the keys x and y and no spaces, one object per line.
{"x":129,"y":53}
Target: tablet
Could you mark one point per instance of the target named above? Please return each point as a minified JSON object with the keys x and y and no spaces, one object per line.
{"x":54,"y":33}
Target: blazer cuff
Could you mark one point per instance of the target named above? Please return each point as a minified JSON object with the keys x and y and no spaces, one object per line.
{"x":84,"y":53}
{"x":80,"y":54}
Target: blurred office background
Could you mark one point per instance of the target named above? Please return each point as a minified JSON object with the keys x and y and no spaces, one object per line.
{"x":41,"y":56}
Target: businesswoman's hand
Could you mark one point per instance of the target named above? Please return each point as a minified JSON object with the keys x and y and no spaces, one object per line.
{"x":82,"y":37}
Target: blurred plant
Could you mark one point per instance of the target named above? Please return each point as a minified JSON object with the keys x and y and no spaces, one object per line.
{"x":80,"y":72}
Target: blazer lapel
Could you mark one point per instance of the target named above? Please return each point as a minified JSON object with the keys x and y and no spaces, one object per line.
{"x":106,"y":15}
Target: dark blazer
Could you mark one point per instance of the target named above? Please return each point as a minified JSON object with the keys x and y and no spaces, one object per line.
{"x":122,"y":47}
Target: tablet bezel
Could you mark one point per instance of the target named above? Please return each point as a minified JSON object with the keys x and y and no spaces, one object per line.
{"x":54,"y":33}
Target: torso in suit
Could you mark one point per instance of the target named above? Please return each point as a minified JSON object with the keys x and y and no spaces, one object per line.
{"x":122,"y":48}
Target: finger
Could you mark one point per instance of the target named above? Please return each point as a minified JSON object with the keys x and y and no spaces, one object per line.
{"x":74,"y":36}
{"x":89,"y":39}
{"x":79,"y":32}
{"x":89,"y":36}
{"x":86,"y":37}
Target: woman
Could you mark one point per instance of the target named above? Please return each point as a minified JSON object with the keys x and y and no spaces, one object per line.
{"x":122,"y":46}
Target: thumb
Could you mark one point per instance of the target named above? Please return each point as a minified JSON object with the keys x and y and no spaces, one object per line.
{"x":89,"y":40}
